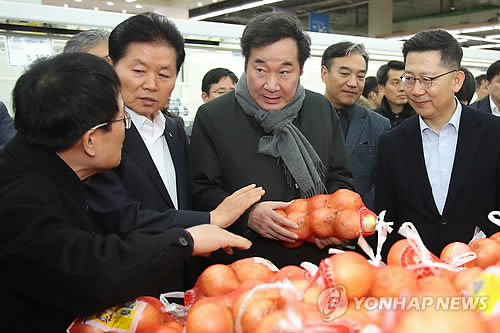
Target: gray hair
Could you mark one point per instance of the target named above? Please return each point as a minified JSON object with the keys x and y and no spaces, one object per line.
{"x":85,"y":40}
{"x":343,"y":49}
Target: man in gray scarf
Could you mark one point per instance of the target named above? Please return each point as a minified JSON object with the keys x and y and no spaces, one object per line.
{"x":271,"y":131}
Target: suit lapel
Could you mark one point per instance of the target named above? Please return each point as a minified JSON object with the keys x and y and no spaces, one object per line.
{"x":171,"y":132}
{"x":414,"y":161}
{"x":135,"y":147}
{"x":469,"y":139}
{"x":357,"y":124}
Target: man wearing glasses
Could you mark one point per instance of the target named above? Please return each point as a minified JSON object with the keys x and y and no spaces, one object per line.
{"x":440,"y":169}
{"x":57,"y":263}
{"x":216,"y":83}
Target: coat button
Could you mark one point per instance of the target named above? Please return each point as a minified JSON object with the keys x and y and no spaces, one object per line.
{"x":183,"y":241}
{"x":443,"y":221}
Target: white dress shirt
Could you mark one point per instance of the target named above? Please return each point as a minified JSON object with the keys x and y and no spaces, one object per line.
{"x":494,"y":108}
{"x":439,"y":154}
{"x":153,"y":135}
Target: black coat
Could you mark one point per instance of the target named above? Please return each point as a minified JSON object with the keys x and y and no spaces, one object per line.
{"x":482,"y":104}
{"x":396,"y":118}
{"x":133,"y":196}
{"x":223,"y":158}
{"x":56,"y":264}
{"x":403,"y":188}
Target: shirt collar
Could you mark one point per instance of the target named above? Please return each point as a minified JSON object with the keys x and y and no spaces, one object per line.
{"x":454,"y":120}
{"x":493,"y":106}
{"x":139,"y":120}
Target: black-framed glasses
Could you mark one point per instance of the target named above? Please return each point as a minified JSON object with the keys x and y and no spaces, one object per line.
{"x":424,"y":81}
{"x":127,"y":121}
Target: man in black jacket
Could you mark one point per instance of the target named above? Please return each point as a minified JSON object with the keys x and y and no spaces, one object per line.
{"x":56,"y":263}
{"x":394,"y":105}
{"x":491,"y":102}
{"x":439,"y":169}
{"x":272,"y":131}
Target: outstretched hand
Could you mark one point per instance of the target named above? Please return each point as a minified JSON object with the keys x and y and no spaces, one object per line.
{"x":234,"y":205}
{"x":209,"y":238}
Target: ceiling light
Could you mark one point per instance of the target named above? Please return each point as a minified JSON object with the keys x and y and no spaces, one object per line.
{"x":484,"y":46}
{"x":109,"y":3}
{"x":214,"y":0}
{"x":199,"y":4}
{"x":96,"y":8}
{"x":78,"y":0}
{"x":138,"y":6}
{"x":478,"y":29}
{"x":65,"y":5}
{"x":124,"y":11}
{"x":130,"y":0}
{"x":233,"y":9}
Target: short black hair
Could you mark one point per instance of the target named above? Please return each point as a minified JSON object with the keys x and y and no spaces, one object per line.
{"x":342,"y":49}
{"x":269,"y":28}
{"x":479,"y":79}
{"x":383,"y":71}
{"x":58,"y":99}
{"x":85,"y":40}
{"x":436,"y":40}
{"x":146,"y":27}
{"x":468,"y":87}
{"x":493,"y":71}
{"x":215,"y":75}
{"x":370,"y":85}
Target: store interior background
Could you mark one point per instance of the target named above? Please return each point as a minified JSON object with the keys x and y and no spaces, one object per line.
{"x":212,"y":29}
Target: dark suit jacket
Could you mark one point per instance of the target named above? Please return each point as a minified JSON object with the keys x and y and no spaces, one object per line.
{"x":482,"y":104}
{"x":403,"y":187}
{"x":133,"y":196}
{"x":224,"y":157}
{"x":7,"y":130}
{"x":365,"y":126}
{"x":56,"y":263}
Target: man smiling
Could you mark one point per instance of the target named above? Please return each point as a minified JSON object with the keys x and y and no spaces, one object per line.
{"x":439,"y":169}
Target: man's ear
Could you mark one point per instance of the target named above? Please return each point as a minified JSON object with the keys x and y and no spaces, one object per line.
{"x":324,"y":72}
{"x":89,"y":142}
{"x":108,"y":59}
{"x":381,"y":88}
{"x":458,"y":81}
{"x":204,"y":97}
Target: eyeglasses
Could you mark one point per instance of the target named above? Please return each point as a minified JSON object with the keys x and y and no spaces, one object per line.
{"x":425,"y":81}
{"x":221,"y":91}
{"x":127,"y":121}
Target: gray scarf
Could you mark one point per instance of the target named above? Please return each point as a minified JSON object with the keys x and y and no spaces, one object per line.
{"x":285,"y":140}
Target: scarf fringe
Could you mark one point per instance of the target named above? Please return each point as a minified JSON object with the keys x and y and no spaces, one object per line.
{"x":319,"y":187}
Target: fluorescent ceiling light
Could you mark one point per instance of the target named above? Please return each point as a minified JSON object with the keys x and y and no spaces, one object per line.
{"x":484,"y":46}
{"x":233,"y":9}
{"x":478,"y":29}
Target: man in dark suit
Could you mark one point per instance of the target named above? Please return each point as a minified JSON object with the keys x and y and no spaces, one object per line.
{"x":343,"y":70}
{"x":150,"y":187}
{"x":491,"y":102}
{"x":7,"y":130}
{"x":440,"y":169}
{"x":57,"y":264}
